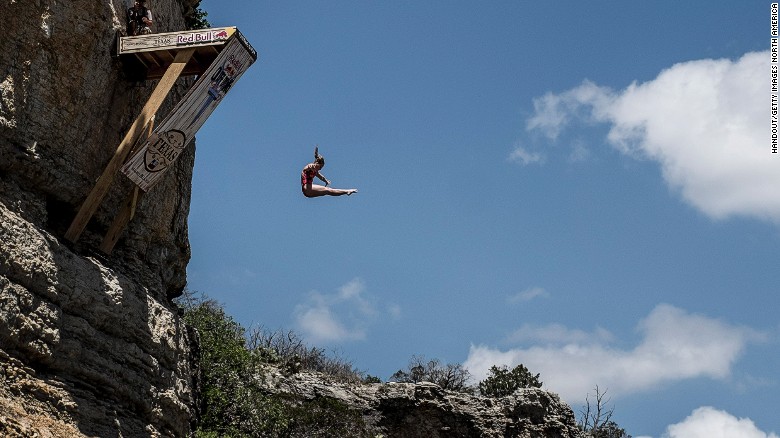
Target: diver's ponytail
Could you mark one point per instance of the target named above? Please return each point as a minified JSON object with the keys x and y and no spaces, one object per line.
{"x":319,"y":159}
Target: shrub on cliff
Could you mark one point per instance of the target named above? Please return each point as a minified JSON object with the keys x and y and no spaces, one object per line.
{"x":596,"y":418}
{"x":502,"y":382}
{"x":450,"y":376}
{"x":288,"y":350}
{"x":229,"y":404}
{"x":197,"y":20}
{"x":232,"y":403}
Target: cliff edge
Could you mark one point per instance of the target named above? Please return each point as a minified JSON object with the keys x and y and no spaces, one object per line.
{"x":90,"y":345}
{"x":425,"y":410}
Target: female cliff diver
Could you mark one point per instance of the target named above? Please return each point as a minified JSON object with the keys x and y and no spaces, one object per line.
{"x":311,"y":190}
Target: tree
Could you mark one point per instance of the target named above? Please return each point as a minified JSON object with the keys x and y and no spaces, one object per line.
{"x":502,"y":382}
{"x":451,"y":376}
{"x":197,"y":20}
{"x":232,"y":402}
{"x":229,"y":404}
{"x":610,"y":429}
{"x":596,"y":420}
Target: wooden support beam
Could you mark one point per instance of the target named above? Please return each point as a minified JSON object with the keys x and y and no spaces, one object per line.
{"x":121,"y":220}
{"x":95,"y":197}
{"x":127,"y":211}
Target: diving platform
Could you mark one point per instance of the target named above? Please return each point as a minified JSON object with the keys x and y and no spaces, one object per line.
{"x":219,"y":56}
{"x":149,"y":56}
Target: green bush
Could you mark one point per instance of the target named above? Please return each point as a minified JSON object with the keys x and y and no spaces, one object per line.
{"x":325,"y":417}
{"x":371,"y":379}
{"x":610,"y":429}
{"x":451,"y":376}
{"x":502,"y":382}
{"x":197,"y":20}
{"x":229,"y":403}
{"x":286,"y":349}
{"x":230,"y":399}
{"x":596,"y":417}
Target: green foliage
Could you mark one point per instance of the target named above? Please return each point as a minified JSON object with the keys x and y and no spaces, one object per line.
{"x":451,"y":376}
{"x":371,"y":379}
{"x":197,"y":20}
{"x":609,"y":430}
{"x":231,"y":401}
{"x":325,"y":417}
{"x":287,"y":350}
{"x":502,"y":382}
{"x":229,"y":404}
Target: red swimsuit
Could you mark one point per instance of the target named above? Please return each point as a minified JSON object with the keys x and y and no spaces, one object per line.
{"x":307,"y":176}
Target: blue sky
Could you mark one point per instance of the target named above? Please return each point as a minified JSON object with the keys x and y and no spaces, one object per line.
{"x":588,"y":190}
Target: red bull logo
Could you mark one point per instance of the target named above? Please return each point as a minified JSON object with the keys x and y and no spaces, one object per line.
{"x":202,"y":37}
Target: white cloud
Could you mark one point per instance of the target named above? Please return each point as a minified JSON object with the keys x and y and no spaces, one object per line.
{"x":705,"y":122}
{"x":524,"y":156}
{"x":552,"y":112}
{"x":394,"y":310}
{"x":342,"y":316}
{"x":579,"y":152}
{"x":352,"y":289}
{"x":318,"y":323}
{"x":352,"y":292}
{"x":528,"y":295}
{"x":558,"y":334}
{"x":708,"y":422}
{"x":675,"y":345}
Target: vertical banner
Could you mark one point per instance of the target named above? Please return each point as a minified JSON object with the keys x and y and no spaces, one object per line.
{"x":174,"y":133}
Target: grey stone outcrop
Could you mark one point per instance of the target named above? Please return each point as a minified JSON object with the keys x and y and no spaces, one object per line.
{"x":90,"y":345}
{"x":425,"y":410}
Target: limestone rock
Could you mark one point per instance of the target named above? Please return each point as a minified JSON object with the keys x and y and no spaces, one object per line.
{"x":425,"y":410}
{"x":90,"y":345}
{"x":86,"y":344}
{"x":65,"y":106}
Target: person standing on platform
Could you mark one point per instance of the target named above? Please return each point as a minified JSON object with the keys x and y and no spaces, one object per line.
{"x":139,"y":19}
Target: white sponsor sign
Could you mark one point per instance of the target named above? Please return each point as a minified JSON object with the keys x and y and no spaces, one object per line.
{"x":174,"y":133}
{"x":173,"y":40}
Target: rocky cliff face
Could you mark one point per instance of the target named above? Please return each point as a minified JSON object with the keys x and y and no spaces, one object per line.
{"x":425,"y":410}
{"x":89,"y":345}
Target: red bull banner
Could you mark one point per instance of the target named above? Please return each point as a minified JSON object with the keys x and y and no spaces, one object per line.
{"x":173,"y":134}
{"x":173,"y":40}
